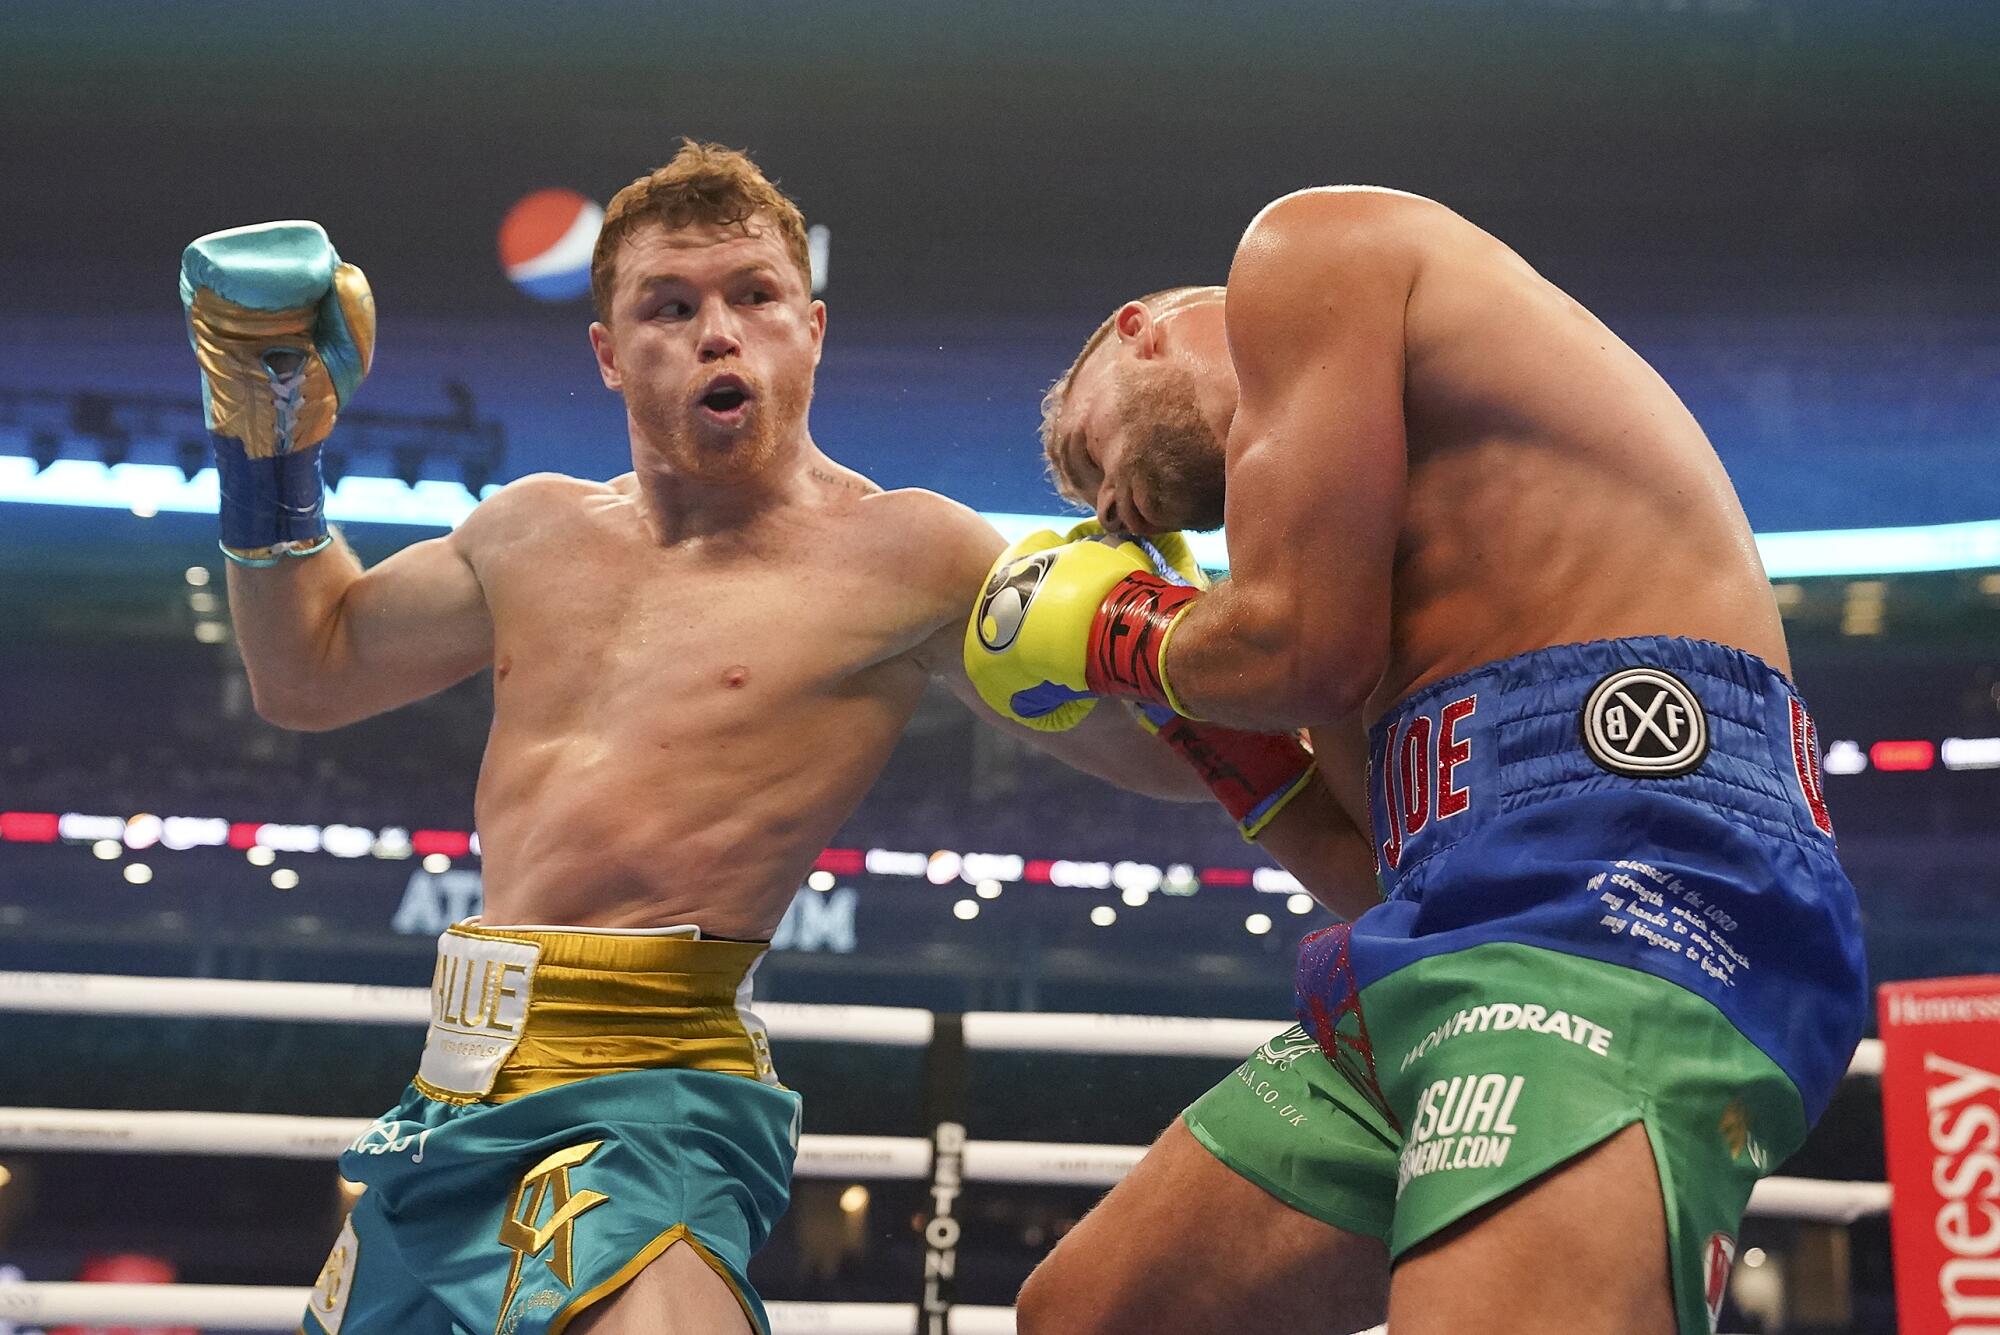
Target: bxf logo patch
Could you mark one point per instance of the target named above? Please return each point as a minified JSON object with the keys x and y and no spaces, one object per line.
{"x":1645,"y":723}
{"x":1004,"y":604}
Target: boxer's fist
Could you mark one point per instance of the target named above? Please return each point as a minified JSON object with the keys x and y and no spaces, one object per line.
{"x":283,"y":330}
{"x":1169,"y":553}
{"x":284,"y":333}
{"x":1059,"y":623}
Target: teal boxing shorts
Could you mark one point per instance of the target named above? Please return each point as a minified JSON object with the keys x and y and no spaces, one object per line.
{"x":586,"y":1100}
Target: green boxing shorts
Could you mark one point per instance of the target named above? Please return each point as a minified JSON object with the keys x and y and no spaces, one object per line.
{"x":1612,"y":898}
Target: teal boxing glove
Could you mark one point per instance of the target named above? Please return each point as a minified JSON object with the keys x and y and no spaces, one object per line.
{"x":284,"y":333}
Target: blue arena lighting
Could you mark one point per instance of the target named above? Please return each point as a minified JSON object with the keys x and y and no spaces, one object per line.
{"x":162,"y":488}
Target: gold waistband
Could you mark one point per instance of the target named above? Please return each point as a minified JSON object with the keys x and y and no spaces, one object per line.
{"x":600,"y":1003}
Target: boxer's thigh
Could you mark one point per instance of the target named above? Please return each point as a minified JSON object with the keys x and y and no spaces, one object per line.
{"x":679,"y":1293}
{"x":1581,"y":1139}
{"x":1185,"y":1246}
{"x":1582,"y":1250}
{"x":1264,"y":1209}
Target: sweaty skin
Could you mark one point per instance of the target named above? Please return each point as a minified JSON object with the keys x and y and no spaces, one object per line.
{"x":1435,"y":459}
{"x":700,"y":666}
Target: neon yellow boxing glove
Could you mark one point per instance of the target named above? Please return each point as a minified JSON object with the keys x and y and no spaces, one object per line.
{"x":1029,"y":641}
{"x":1042,"y":645}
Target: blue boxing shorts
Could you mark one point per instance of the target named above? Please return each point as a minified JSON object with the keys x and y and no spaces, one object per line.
{"x":1612,"y":898}
{"x":586,"y":1100}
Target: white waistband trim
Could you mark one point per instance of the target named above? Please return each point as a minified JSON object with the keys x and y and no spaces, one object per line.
{"x":688,"y":929}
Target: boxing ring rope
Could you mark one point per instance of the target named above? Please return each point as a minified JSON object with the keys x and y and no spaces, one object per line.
{"x":273,"y":1307}
{"x":891,"y":1026}
{"x":881,"y":1158}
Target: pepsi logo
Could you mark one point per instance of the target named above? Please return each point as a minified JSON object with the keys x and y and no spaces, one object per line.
{"x":545,"y":243}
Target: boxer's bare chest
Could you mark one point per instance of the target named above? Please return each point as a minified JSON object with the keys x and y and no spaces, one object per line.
{"x":591,"y":614}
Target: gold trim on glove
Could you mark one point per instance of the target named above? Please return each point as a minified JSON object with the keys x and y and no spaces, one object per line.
{"x":266,"y":384}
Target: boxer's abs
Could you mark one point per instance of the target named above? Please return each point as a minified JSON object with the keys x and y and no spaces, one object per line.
{"x":637,"y":817}
{"x":675,"y":742}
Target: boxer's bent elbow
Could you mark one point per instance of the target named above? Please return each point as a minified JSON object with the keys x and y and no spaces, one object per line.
{"x":1323,"y":687}
{"x":290,"y":706}
{"x":293,"y":716}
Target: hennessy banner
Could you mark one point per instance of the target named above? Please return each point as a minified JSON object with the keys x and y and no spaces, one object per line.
{"x":1941,"y":1125}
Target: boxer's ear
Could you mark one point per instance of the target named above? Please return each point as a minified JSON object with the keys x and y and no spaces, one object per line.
{"x":606,"y":353}
{"x":1134,"y":324}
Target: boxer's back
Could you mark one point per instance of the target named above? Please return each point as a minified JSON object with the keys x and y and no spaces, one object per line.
{"x":680,"y":728}
{"x":1558,"y":489}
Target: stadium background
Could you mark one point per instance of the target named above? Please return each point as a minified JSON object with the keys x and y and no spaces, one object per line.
{"x":1788,"y":207}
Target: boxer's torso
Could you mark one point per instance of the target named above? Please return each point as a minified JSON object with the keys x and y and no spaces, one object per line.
{"x":679,"y":728}
{"x":1558,"y":490}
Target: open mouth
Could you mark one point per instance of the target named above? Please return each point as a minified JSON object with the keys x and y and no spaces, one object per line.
{"x":724,"y":399}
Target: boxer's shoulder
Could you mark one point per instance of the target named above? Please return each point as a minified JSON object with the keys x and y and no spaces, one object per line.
{"x":1341,"y":248}
{"x":1337,"y":220}
{"x":955,"y":544}
{"x":930,"y":555}
{"x":539,"y":493}
{"x":530,"y":508}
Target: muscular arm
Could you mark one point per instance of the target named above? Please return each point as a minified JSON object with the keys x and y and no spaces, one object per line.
{"x":1313,"y":837}
{"x":1314,"y":840}
{"x":327,"y":644}
{"x":1300,"y":632}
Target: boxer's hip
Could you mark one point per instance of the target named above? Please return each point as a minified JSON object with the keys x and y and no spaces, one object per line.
{"x":516,"y":1010}
{"x":585,"y":1099}
{"x":1650,"y":803}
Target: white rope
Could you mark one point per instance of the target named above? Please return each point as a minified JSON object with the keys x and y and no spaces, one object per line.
{"x":248,"y":1135}
{"x":1028,"y":1161}
{"x":1820,"y":1201}
{"x":898,"y":1026}
{"x":1122,"y":1035}
{"x":251,"y":1307}
{"x":353,"y":1003}
{"x":211,"y":1306}
{"x":275,"y":1308}
{"x":890,"y":1026}
{"x":880,"y":1158}
{"x":212,"y":998}
{"x":876,"y":1158}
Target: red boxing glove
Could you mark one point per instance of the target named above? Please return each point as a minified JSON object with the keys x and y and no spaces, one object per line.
{"x":1126,"y":652}
{"x":1253,"y":774}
